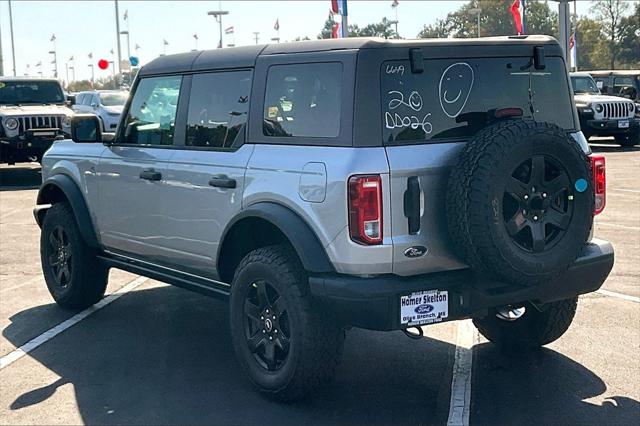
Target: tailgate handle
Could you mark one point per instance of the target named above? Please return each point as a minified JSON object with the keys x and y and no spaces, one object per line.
{"x":412,"y":204}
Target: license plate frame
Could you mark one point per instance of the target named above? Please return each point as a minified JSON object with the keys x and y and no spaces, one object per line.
{"x":424,"y":307}
{"x":623,"y":124}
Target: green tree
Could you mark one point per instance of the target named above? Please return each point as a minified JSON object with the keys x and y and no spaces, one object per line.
{"x":79,"y":86}
{"x":439,"y":29}
{"x":629,"y":54}
{"x":495,"y":20}
{"x":611,"y":13}
{"x":379,"y":29}
{"x":593,"y":49}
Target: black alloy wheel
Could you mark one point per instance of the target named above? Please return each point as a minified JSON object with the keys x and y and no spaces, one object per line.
{"x":60,"y":257}
{"x":537,"y":207}
{"x":266,"y":325}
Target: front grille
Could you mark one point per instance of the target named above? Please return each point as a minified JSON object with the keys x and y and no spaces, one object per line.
{"x":40,"y":122}
{"x":616,"y":110}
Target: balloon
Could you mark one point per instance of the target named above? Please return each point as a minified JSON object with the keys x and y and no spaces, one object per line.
{"x":103,"y":64}
{"x":134,"y":61}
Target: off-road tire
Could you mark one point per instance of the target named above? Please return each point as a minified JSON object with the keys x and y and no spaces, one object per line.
{"x":316,"y":341}
{"x":534,"y":329}
{"x":87,"y":277}
{"x":475,"y":207}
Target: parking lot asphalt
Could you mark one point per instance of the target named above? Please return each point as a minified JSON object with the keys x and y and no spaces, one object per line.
{"x":162,"y":355}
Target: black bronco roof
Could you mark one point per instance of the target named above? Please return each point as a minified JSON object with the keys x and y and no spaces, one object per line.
{"x":245,"y":56}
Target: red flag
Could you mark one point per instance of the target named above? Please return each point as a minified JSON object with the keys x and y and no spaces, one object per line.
{"x":335,"y":30}
{"x":334,"y":6}
{"x":517,"y":18}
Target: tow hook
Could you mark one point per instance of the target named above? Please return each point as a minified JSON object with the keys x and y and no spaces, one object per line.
{"x":509,"y":313}
{"x":417,"y":335}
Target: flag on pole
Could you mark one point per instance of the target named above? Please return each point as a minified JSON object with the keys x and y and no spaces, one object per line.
{"x":335,"y":30}
{"x":90,"y":55}
{"x":516,"y":12}
{"x":339,"y":7}
{"x":53,"y":37}
{"x":195,"y":36}
{"x":165,"y":42}
{"x":126,"y":14}
{"x":229,"y":30}
{"x":394,"y":4}
{"x":276,"y":26}
{"x":39,"y":64}
{"x":573,"y":49}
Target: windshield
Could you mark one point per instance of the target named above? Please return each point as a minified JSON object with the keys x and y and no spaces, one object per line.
{"x":584,"y":85}
{"x":113,"y":99}
{"x":30,"y":92}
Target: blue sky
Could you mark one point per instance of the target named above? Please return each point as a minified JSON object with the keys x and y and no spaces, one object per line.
{"x":87,"y":26}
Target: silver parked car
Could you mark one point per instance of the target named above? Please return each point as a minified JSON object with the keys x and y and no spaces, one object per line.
{"x":328,"y":184}
{"x":106,"y":104}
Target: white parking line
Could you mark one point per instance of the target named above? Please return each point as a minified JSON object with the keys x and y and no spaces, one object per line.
{"x":18,"y":353}
{"x":635,"y":191}
{"x":619,"y":295}
{"x":614,"y":225}
{"x":460,"y":403}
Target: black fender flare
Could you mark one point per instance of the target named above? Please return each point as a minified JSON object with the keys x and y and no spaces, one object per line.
{"x":304,"y":241}
{"x":74,"y":195}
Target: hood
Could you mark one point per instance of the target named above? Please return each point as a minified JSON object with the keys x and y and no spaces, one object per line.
{"x":114,"y":109}
{"x":12,"y":110}
{"x":585,"y":98}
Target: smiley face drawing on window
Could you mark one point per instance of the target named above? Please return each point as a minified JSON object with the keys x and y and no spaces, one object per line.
{"x":455,"y":87}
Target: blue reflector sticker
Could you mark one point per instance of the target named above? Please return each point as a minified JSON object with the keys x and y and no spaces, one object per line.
{"x":581,"y":185}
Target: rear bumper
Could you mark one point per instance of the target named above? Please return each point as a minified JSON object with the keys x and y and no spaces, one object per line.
{"x":374,"y":303}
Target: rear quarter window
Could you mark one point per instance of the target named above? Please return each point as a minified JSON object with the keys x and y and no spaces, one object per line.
{"x":455,"y":99}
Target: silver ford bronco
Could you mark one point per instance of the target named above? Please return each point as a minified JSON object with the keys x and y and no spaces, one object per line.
{"x":340,"y":183}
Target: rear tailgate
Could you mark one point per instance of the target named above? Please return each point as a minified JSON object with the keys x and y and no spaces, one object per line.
{"x":426,"y":119}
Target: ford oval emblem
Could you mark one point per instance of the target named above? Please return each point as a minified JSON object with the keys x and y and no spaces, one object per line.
{"x":424,"y":309}
{"x":415,"y":251}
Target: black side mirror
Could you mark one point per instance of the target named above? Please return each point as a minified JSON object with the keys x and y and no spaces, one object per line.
{"x":71,"y":100}
{"x":85,"y":128}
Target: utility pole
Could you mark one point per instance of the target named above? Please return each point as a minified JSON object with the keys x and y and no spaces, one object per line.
{"x":478,"y":11}
{"x":575,"y":35}
{"x":217,"y":15}
{"x":565,"y":25}
{"x":13,"y":47}
{"x":255,"y":36}
{"x":118,"y":36}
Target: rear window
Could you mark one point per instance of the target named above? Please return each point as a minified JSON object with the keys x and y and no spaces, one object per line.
{"x":303,"y":100}
{"x":455,"y":99}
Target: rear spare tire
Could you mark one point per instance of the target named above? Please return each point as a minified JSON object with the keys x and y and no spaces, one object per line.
{"x":520,"y":202}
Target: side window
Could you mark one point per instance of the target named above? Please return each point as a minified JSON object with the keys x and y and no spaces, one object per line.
{"x":152,"y":114}
{"x":79,"y":98}
{"x":218,"y":108}
{"x":86,"y":100}
{"x":624,"y":86}
{"x":601,"y":82}
{"x":303,"y":100}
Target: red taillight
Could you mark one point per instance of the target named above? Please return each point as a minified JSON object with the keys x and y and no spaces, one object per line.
{"x":599,"y":171}
{"x":365,"y":209}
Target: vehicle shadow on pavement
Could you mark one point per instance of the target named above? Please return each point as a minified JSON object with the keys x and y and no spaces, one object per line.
{"x":544,"y":387}
{"x":164,"y":356}
{"x":15,"y":178}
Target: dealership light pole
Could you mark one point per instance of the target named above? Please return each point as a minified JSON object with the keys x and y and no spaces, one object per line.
{"x":126,"y":32}
{"x":478,"y":11}
{"x":55,"y":56}
{"x":118,"y":37}
{"x":13,"y":48}
{"x":217,"y":15}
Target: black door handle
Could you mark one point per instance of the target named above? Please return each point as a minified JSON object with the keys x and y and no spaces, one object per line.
{"x":412,"y":204}
{"x":222,"y":181}
{"x":150,"y":174}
